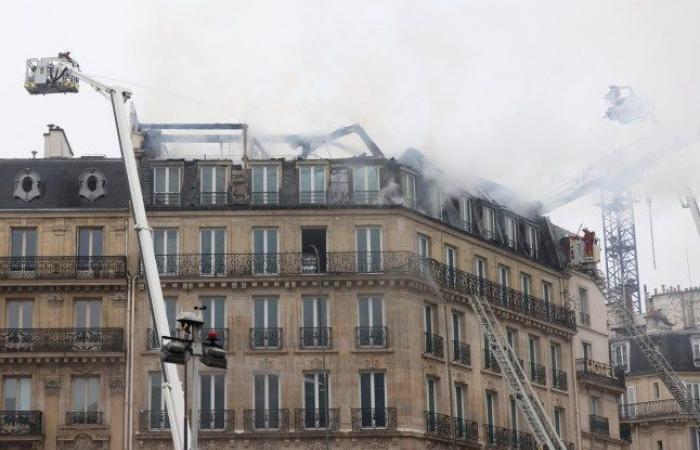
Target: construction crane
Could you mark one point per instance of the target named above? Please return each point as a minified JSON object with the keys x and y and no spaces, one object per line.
{"x":60,"y":75}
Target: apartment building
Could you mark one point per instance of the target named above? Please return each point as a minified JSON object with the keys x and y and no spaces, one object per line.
{"x":338,"y":287}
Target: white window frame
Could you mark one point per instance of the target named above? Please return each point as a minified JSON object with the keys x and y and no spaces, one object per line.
{"x":489,"y":222}
{"x":621,"y":355}
{"x":162,"y":253}
{"x":86,"y":381}
{"x":210,"y":195}
{"x":21,"y":319}
{"x":313,"y":196}
{"x":270,"y":266}
{"x":466,"y":213}
{"x":168,"y":174}
{"x":408,"y":186}
{"x":264,"y":197}
{"x":526,"y":284}
{"x":372,"y":397}
{"x":23,"y":392}
{"x":695,"y":349}
{"x":547,"y":290}
{"x":511,"y":231}
{"x":362,"y":174}
{"x":423,"y":245}
{"x":266,"y":397}
{"x":532,"y":240}
{"x":370,"y":266}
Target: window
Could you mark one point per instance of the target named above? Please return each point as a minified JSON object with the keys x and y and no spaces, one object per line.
{"x":465,"y":213}
{"x":656,"y":391}
{"x":266,"y":333}
{"x":89,"y":248}
{"x":213,"y":249}
{"x":171,"y":315}
{"x":314,"y":331}
{"x":620,"y":354}
{"x":265,"y":249}
{"x":628,"y":402}
{"x":488,"y":223}
{"x":547,"y":291}
{"x":365,"y":184}
{"x":158,"y":417}
{"x":695,"y":345}
{"x":531,"y":240}
{"x":526,"y":284}
{"x":373,"y":400}
{"x":555,"y":355}
{"x":17,"y":393}
{"x":165,"y":246}
{"x":85,"y":400}
{"x":214,"y":315}
{"x":460,"y":400}
{"x":166,"y":185}
{"x":693,"y":393}
{"x":480,"y":270}
{"x":433,"y":343}
{"x":436,"y":201}
{"x":212,"y":185}
{"x":408,"y":187}
{"x":587,"y":350}
{"x":369,"y":247}
{"x":267,"y":401}
{"x":512,"y":338}
{"x":451,"y":263}
{"x":595,"y":406}
{"x":423,"y":246}
{"x":23,"y":249}
{"x":431,"y":395}
{"x":88,"y":313}
{"x":559,"y":421}
{"x":212,"y":400}
{"x":503,"y":276}
{"x":583,"y":300}
{"x":511,"y":232}
{"x":491,"y":416}
{"x":513,"y":410}
{"x":371,"y":329}
{"x":316,"y":400}
{"x":19,"y":313}
{"x":533,"y":344}
{"x":265,"y":184}
{"x":312,"y":184}
{"x":457,"y":320}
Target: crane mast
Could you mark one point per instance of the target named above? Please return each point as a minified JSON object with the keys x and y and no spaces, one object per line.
{"x":62,"y":75}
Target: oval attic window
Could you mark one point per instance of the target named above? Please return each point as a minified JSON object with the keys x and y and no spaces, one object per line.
{"x":27,"y":184}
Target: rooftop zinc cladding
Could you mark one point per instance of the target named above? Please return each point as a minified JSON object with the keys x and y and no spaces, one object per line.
{"x":676,"y":348}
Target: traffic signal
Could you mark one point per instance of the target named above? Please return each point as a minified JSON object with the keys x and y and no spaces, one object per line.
{"x":213,"y":357}
{"x":174,"y":352}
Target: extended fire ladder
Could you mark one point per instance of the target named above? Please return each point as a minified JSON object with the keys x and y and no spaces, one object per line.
{"x":518,"y":384}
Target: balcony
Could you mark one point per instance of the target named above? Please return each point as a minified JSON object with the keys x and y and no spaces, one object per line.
{"x":498,"y":437}
{"x":560,"y":380}
{"x":59,"y":267}
{"x":313,"y":338}
{"x":213,"y":199}
{"x":490,"y":362}
{"x":77,"y":418}
{"x":438,"y":425}
{"x":655,"y":409}
{"x":266,"y":338}
{"x":23,"y":340}
{"x":600,"y":374}
{"x":266,"y":420}
{"x":20,"y":423}
{"x":599,"y":425}
{"x":367,"y":419}
{"x":433,"y":345}
{"x":153,"y":421}
{"x":317,"y":419}
{"x":538,"y":373}
{"x":367,"y":263}
{"x":153,"y":340}
{"x":167,"y":199}
{"x":372,"y":337}
{"x":461,"y":353}
{"x":216,"y":420}
{"x":466,"y":430}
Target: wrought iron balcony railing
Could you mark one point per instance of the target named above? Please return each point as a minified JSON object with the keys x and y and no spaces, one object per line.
{"x":373,"y":419}
{"x":16,"y":340}
{"x":214,"y":198}
{"x":538,"y":373}
{"x":265,"y":338}
{"x":56,"y":267}
{"x":656,"y":408}
{"x":266,"y":420}
{"x":434,"y":345}
{"x":499,"y":437}
{"x":372,"y":337}
{"x":560,"y":380}
{"x":599,"y":424}
{"x":153,"y":420}
{"x":383,"y":263}
{"x":216,"y":420}
{"x":315,"y":337}
{"x":171,"y":199}
{"x":74,"y":418}
{"x":317,"y":419}
{"x":600,"y":373}
{"x":490,"y":362}
{"x":466,"y":430}
{"x":461,"y":353}
{"x":438,"y":425}
{"x":584,"y":318}
{"x":20,"y":423}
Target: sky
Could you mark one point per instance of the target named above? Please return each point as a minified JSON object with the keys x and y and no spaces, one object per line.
{"x":509,"y":90}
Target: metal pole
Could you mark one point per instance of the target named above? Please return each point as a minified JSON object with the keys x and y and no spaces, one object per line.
{"x":195,"y":400}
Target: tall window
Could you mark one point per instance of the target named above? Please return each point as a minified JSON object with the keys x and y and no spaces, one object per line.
{"x":423,"y":246}
{"x":490,"y":416}
{"x":89,"y":248}
{"x":620,"y":355}
{"x":17,"y":393}
{"x":212,"y":401}
{"x":369,"y":247}
{"x":695,"y":346}
{"x":214,"y":315}
{"x":265,"y":249}
{"x":511,"y":232}
{"x":212,"y":185}
{"x":88,"y":313}
{"x":583,"y":300}
{"x":267,"y":401}
{"x":171,"y":315}
{"x":488,"y":223}
{"x":316,"y":400}
{"x":85,"y":398}
{"x":373,"y":399}
{"x":480,"y":271}
{"x":158,"y":416}
{"x":408,"y":187}
{"x":314,"y":331}
{"x":532,"y":240}
{"x":595,"y":406}
{"x":431,"y":341}
{"x":312,"y":184}
{"x":266,"y":331}
{"x":555,"y":355}
{"x":504,"y":280}
{"x":628,"y":402}
{"x":533,"y":345}
{"x":371,"y":331}
{"x":23,"y":249}
{"x":436,"y":201}
{"x":212,"y":250}
{"x":526,"y":284}
{"x":513,"y":411}
{"x":265,"y":185}
{"x":20,"y":313}
{"x":365,"y":184}
{"x":451,"y":263}
{"x":166,"y":185}
{"x":465,"y":213}
{"x":546,"y":291}
{"x":430,"y":403}
{"x":559,"y":421}
{"x":587,"y":350}
{"x":165,"y":245}
{"x":460,"y":401}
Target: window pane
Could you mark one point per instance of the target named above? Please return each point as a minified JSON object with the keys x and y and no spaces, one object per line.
{"x":305,"y":179}
{"x":272,"y":313}
{"x":78,"y":391}
{"x":93,"y":394}
{"x":365,"y":390}
{"x":10,"y":393}
{"x":364,"y":312}
{"x":174,"y":180}
{"x":379,"y":390}
{"x":259,"y":313}
{"x":219,"y":395}
{"x":375,"y":239}
{"x":273,"y":387}
{"x":362,"y":239}
{"x":308,"y":312}
{"x":272,"y":241}
{"x":309,"y":391}
{"x":319,"y":179}
{"x":260,"y":392}
{"x":322,"y":314}
{"x":377,"y":312}
{"x":206,"y":179}
{"x":271,"y":179}
{"x":95,"y":314}
{"x":159,"y":179}
{"x":205,"y":394}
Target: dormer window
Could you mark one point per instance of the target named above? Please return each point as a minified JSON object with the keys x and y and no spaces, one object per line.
{"x":27,"y":185}
{"x":265,"y":185}
{"x":212,"y":185}
{"x":408,"y":187}
{"x":511,"y":232}
{"x":92,"y":184}
{"x":166,"y":185}
{"x":488,"y":223}
{"x":465,"y":212}
{"x":532,"y":241}
{"x":365,"y":184}
{"x":695,"y":345}
{"x":312,"y":184}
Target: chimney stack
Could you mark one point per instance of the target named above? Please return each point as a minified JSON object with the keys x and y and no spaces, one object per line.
{"x":56,"y":143}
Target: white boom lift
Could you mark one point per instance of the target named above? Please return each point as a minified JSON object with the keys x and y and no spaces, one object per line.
{"x":62,"y":75}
